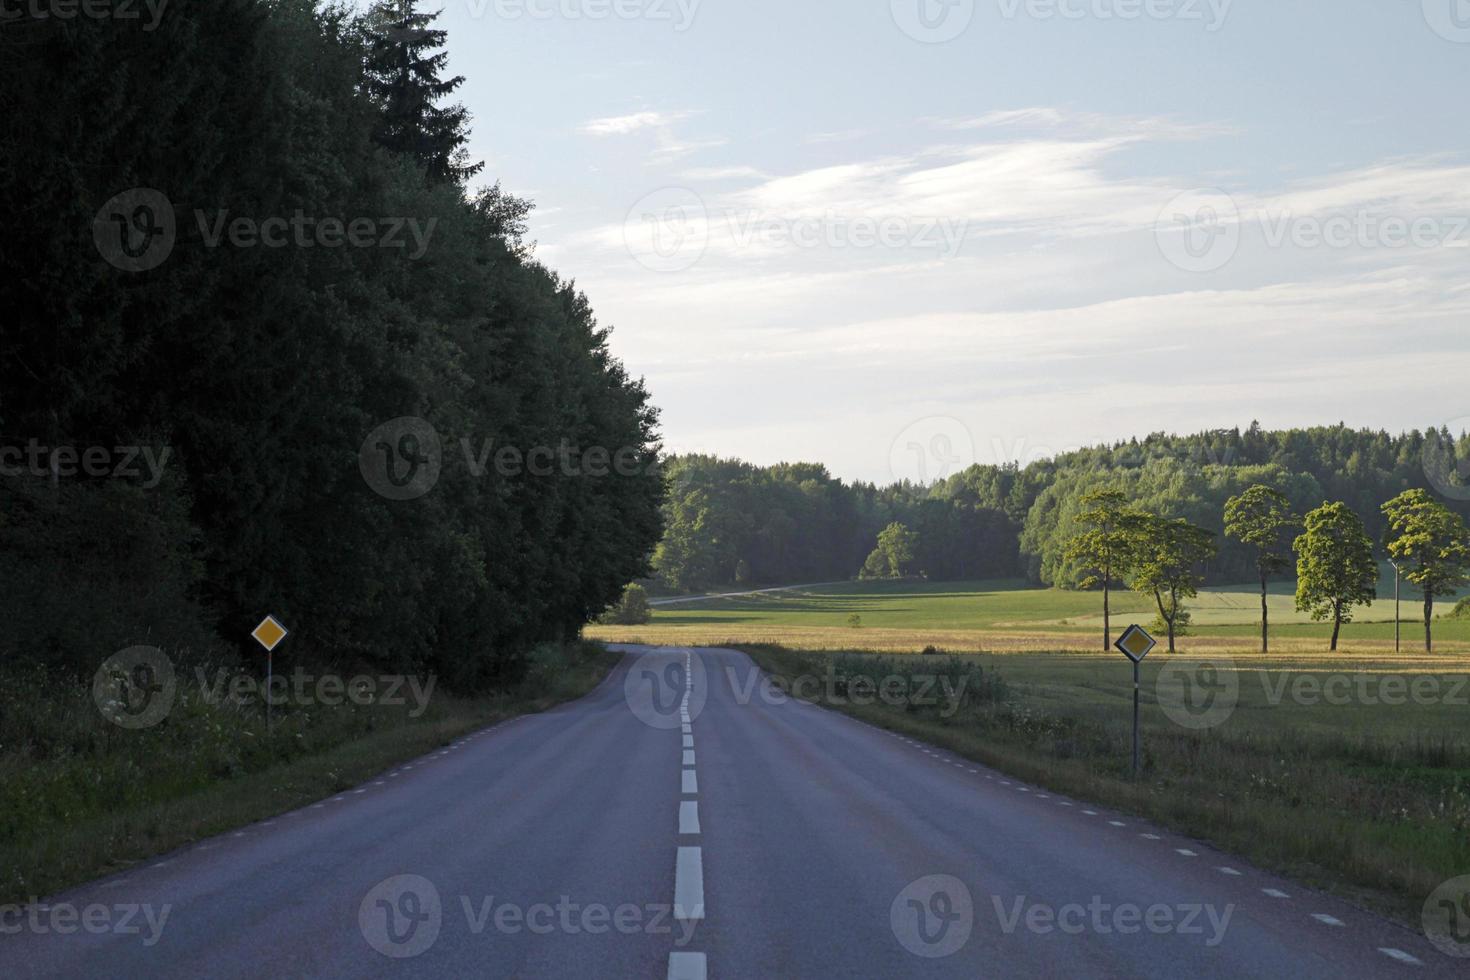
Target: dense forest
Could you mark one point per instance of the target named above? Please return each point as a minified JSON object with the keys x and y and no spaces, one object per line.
{"x":730,"y":522}
{"x":241,"y":240}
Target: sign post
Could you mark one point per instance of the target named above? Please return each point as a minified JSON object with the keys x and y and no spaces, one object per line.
{"x":269,"y":634}
{"x":1135,"y":644}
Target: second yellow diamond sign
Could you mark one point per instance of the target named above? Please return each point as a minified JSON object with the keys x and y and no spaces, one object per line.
{"x":1136,"y":643}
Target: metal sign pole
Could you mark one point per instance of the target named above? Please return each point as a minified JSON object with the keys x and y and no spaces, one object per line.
{"x":1135,"y":644}
{"x":1398,"y":617}
{"x":1135,"y":718}
{"x":270,"y":676}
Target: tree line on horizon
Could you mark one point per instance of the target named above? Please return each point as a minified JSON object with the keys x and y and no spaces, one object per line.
{"x":259,"y":372}
{"x":728,"y":522}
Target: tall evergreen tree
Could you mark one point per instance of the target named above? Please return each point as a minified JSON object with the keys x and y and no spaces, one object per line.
{"x":404,"y":65}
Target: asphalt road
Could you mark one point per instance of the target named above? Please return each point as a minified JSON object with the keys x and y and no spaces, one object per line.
{"x":772,"y":839}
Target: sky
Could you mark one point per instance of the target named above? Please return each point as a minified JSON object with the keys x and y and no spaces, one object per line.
{"x":900,"y":236}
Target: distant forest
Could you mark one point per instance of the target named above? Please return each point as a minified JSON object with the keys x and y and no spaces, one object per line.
{"x":729,"y":522}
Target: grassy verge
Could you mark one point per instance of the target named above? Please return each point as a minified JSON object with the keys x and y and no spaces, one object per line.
{"x":1369,"y":800}
{"x":81,"y":797}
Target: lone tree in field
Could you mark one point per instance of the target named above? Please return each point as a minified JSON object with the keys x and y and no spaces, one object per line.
{"x":1262,"y":518}
{"x":1103,"y":548}
{"x":1166,"y":559}
{"x":1335,"y":569}
{"x":894,"y":556}
{"x":1434,"y":544}
{"x":404,"y":64}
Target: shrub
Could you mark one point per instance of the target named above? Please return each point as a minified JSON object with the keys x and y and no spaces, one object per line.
{"x":632,"y":609}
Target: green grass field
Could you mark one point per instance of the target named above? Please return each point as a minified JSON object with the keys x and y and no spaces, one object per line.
{"x":999,"y":615}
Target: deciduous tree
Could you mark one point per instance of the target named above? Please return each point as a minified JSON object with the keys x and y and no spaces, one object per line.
{"x":1104,"y":547}
{"x":1335,"y":570}
{"x":1166,"y":557}
{"x":1434,"y":545}
{"x":1262,"y":518}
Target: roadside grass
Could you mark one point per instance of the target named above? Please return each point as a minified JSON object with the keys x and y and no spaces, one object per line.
{"x":1370,"y":800}
{"x":81,"y":797}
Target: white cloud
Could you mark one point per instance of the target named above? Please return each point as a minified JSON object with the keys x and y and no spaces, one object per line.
{"x":632,"y":123}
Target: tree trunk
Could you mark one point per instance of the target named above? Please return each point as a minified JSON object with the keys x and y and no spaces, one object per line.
{"x":1336,"y":625}
{"x":1428,"y":619}
{"x":1107,"y":614}
{"x":1265,"y":619}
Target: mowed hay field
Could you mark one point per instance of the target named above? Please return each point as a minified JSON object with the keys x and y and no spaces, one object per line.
{"x":1350,"y":771}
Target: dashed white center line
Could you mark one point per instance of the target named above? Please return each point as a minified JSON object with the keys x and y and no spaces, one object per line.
{"x":1090,"y":813}
{"x":688,"y":741}
{"x":688,"y":757}
{"x":689,"y":884}
{"x":1185,"y":851}
{"x":1327,"y":920}
{"x":1274,"y":893}
{"x":1400,"y":955}
{"x":688,"y":817}
{"x":1150,"y":836}
{"x":686,"y":728}
{"x":691,"y":782}
{"x":687,"y":966}
{"x":1117,"y":823}
{"x":1229,"y":871}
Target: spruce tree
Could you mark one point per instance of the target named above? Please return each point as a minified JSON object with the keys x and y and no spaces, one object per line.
{"x":404,"y":63}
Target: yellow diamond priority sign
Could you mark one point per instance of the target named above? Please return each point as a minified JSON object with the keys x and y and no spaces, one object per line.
{"x":269,"y":633}
{"x":1135,"y":643}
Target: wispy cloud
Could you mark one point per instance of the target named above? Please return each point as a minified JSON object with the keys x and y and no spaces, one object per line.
{"x":669,"y":145}
{"x":632,"y":123}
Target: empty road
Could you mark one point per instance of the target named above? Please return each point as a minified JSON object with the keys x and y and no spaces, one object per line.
{"x":681,"y":822}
